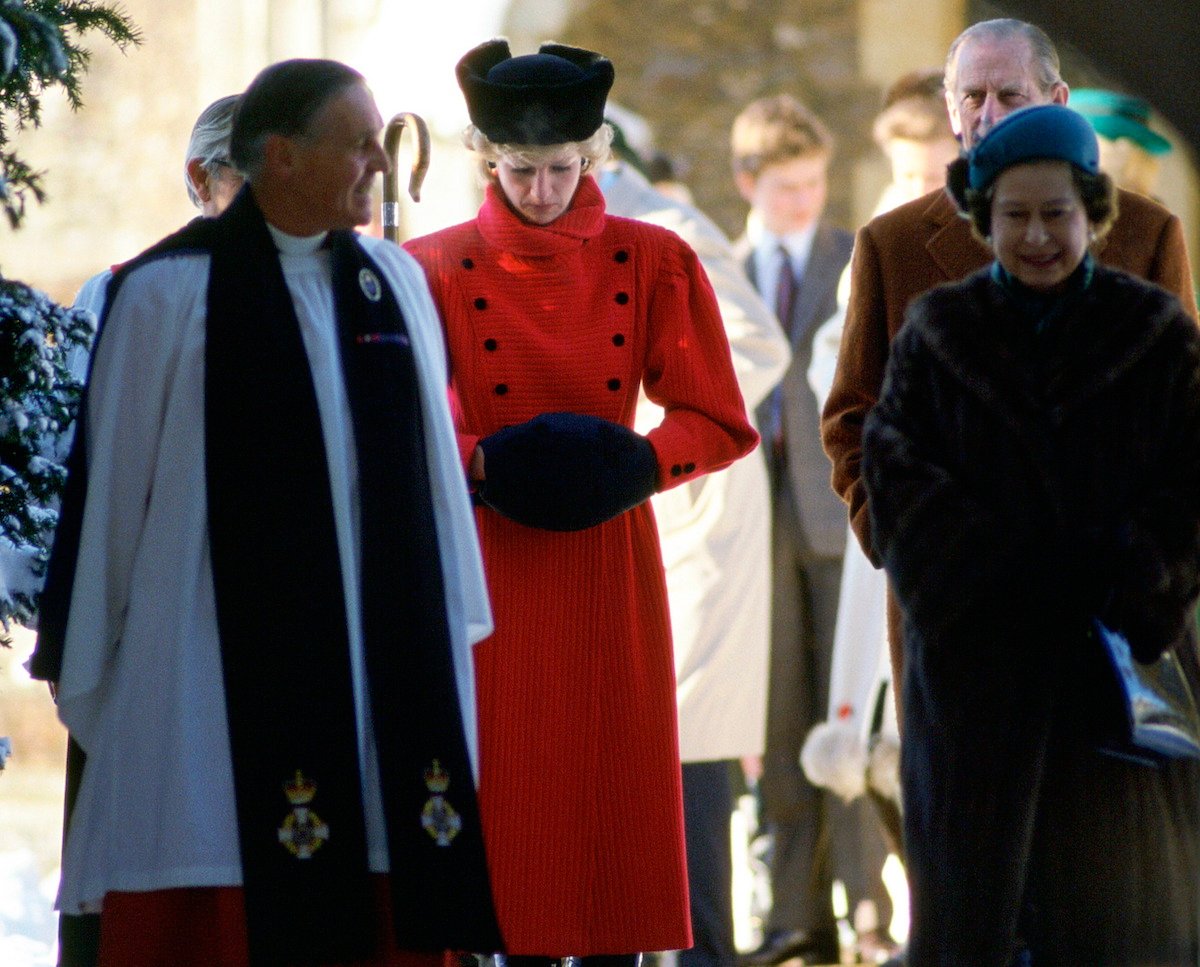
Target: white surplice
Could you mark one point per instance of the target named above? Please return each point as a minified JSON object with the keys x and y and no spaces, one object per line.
{"x":141,"y":686}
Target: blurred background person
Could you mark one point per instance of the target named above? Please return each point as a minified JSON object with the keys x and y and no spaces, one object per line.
{"x":208,"y":175}
{"x":556,"y":315}
{"x":633,"y":144}
{"x":715,"y":538}
{"x":913,"y":131}
{"x":780,"y":153}
{"x":1130,"y":151}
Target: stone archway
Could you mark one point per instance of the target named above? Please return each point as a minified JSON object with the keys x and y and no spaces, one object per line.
{"x":1147,"y":48}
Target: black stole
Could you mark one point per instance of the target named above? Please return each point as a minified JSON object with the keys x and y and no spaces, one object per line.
{"x":281,"y":616}
{"x":440,"y":886}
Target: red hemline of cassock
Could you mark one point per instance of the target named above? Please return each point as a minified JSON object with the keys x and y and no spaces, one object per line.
{"x":206,"y":926}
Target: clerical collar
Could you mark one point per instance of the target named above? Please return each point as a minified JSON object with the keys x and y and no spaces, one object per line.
{"x":296,"y":244}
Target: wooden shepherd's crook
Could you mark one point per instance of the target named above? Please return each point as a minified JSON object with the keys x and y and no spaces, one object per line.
{"x":391,"y":181}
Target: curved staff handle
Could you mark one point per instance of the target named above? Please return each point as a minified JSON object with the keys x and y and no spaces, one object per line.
{"x":391,"y":181}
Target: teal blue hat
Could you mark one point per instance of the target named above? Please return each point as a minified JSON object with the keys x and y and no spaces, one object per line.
{"x":1116,"y":116}
{"x":1047,"y":131}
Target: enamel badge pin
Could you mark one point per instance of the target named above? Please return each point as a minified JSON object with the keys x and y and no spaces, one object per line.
{"x":302,"y":832}
{"x":440,"y":819}
{"x":368,"y":281}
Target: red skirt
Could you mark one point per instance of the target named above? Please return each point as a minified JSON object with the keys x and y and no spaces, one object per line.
{"x":206,"y":927}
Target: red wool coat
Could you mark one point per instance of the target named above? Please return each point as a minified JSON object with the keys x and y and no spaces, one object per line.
{"x":580,"y":786}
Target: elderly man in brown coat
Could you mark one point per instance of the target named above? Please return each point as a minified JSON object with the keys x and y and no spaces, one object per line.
{"x":993,"y":68}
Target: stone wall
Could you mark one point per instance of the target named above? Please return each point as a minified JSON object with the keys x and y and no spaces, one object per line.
{"x":115,"y":169}
{"x":689,"y":66}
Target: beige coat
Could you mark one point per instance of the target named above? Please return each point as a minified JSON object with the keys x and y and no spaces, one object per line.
{"x":715,"y":531}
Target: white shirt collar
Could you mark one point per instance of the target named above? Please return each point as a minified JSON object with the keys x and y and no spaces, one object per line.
{"x":799,"y":246}
{"x":766,"y":254}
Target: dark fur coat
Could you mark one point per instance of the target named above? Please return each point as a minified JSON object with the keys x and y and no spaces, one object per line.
{"x":1019,"y":484}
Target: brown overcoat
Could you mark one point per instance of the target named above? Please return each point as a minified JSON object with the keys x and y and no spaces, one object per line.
{"x":908,"y":251}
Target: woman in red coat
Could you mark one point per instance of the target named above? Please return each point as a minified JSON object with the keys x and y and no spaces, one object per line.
{"x":555,"y":315}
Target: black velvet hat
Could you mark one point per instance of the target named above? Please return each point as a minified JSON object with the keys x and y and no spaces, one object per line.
{"x":551,"y":97}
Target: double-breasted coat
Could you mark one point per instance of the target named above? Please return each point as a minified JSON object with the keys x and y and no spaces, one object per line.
{"x":580,"y":780}
{"x":1020,"y":485}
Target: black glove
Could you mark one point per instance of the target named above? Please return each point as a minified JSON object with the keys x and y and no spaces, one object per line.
{"x":566,"y":471}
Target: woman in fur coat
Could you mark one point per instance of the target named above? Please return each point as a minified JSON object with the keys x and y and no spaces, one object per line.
{"x":1032,"y":465}
{"x":555,"y":313}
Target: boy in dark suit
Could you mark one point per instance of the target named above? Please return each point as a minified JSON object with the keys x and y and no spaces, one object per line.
{"x":781,"y":153}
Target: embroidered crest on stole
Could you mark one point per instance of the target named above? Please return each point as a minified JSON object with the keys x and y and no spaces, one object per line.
{"x":302,"y":832}
{"x":440,"y":819}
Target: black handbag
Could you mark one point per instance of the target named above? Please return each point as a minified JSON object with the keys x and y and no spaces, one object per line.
{"x":1160,"y":720}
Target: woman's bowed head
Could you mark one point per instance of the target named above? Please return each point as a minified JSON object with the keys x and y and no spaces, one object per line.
{"x":537,"y":121}
{"x":1034,"y":193}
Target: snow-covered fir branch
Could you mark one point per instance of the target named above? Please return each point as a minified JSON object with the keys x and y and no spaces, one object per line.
{"x":39,"y":395}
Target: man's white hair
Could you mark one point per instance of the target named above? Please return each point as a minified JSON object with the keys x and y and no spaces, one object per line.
{"x":209,"y":143}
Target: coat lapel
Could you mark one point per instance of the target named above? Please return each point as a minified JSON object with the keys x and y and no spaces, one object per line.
{"x":822,"y":270}
{"x":955,"y":251}
{"x":825,"y":265}
{"x":745,"y":251}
